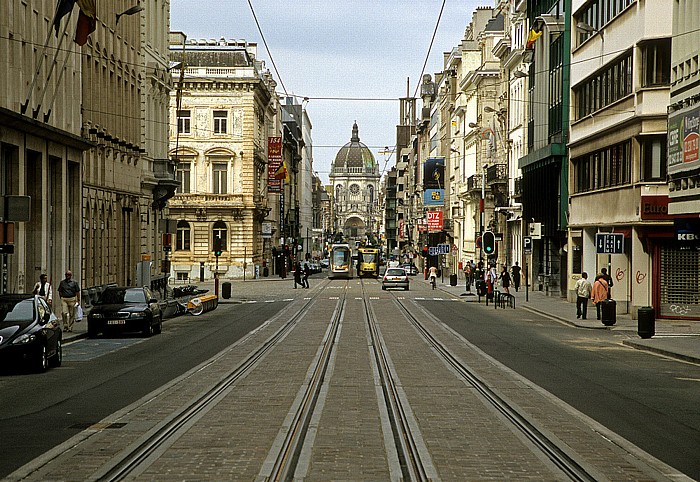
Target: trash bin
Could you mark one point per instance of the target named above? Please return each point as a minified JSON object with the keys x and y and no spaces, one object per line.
{"x":266,"y":271}
{"x":453,"y":280}
{"x":226,"y":290}
{"x":481,"y":288}
{"x":646,"y":319}
{"x":608,"y":312}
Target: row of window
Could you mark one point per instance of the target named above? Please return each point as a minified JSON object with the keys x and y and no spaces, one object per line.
{"x":184,"y":235}
{"x":606,"y":87}
{"x":598,"y":13}
{"x":219,"y":122}
{"x":219,"y":177}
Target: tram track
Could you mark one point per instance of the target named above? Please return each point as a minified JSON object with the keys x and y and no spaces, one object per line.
{"x":410,"y":448}
{"x":141,"y":454}
{"x":567,"y":464}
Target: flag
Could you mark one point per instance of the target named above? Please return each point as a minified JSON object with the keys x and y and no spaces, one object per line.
{"x":87,"y":21}
{"x":64,"y":8}
{"x":533,"y":36}
{"x":282,"y":172}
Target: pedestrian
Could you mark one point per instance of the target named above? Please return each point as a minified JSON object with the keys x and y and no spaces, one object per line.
{"x":307,"y":272}
{"x":297,"y":275}
{"x":468,"y":275}
{"x":43,"y":288}
{"x":516,"y":276}
{"x":583,"y":290}
{"x":491,"y":278}
{"x":608,"y":279}
{"x":505,"y":279}
{"x":599,"y":293}
{"x":69,"y":291}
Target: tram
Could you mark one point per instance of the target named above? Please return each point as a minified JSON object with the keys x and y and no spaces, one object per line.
{"x":368,"y":262}
{"x":341,"y":261}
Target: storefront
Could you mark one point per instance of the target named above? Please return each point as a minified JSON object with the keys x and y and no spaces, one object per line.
{"x":677,"y":290}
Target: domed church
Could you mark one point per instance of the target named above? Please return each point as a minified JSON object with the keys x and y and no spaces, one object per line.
{"x":355,"y":180}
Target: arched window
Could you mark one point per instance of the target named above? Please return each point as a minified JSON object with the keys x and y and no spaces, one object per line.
{"x":183,"y":236}
{"x":220,"y":231}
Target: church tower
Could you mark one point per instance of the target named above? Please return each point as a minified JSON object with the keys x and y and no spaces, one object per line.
{"x":355,"y":180}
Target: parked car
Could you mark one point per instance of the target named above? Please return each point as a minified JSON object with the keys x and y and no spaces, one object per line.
{"x":395,"y":278}
{"x":125,"y":309}
{"x":325,"y":263}
{"x":29,"y":332}
{"x":410,"y":268}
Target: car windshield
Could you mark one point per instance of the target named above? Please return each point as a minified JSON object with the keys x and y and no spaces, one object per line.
{"x":14,"y":310}
{"x":395,"y":272}
{"x":112,"y":296}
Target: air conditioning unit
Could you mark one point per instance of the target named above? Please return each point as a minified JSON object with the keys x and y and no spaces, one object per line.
{"x":536,"y":230}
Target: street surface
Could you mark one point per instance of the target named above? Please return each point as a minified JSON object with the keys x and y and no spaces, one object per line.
{"x":345,"y":381}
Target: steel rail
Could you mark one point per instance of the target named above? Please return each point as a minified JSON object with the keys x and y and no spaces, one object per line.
{"x":567,"y":464}
{"x":412,"y":465}
{"x":288,"y":456}
{"x":138,"y":457}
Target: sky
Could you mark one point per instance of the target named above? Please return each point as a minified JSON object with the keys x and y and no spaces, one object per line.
{"x":360,"y":49}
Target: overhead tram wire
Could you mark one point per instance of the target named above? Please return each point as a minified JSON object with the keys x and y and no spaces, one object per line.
{"x":274,"y":65}
{"x":430,"y":48}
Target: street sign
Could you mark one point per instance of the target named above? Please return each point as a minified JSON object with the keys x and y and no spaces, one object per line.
{"x":609,"y":243}
{"x":527,"y":244}
{"x":443,"y":248}
{"x":454,"y":250}
{"x":433,"y":251}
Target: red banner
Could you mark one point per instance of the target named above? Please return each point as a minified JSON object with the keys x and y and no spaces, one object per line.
{"x":434,"y":221}
{"x":274,"y":161}
{"x":401,"y":228}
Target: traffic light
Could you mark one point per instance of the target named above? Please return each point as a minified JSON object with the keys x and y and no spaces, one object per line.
{"x":218,"y":246}
{"x":425,"y":251}
{"x":488,"y":242}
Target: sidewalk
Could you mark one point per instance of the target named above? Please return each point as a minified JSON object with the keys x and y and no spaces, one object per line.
{"x":678,"y":339}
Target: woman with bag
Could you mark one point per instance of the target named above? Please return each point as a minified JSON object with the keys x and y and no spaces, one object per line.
{"x":599,"y":293}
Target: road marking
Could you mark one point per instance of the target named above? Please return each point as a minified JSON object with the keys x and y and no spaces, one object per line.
{"x":269,"y":301}
{"x":288,"y":299}
{"x":688,"y":379}
{"x":333,"y":297}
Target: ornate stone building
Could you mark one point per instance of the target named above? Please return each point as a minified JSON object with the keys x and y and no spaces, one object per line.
{"x":355,"y":180}
{"x":227,"y":110}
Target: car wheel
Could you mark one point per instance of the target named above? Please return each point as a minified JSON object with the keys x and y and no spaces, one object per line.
{"x":159,"y":327}
{"x":57,"y":358}
{"x":92,"y":331}
{"x":384,"y":288}
{"x":148,"y":329}
{"x":406,"y":288}
{"x":42,"y":361}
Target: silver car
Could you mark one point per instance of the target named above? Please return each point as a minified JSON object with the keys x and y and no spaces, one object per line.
{"x":395,"y":278}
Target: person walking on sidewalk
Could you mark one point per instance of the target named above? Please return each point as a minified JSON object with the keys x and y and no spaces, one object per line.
{"x":43,"y":288}
{"x":608,"y":279}
{"x":515,"y":270}
{"x":599,"y":293}
{"x":69,"y":290}
{"x":583,"y":290}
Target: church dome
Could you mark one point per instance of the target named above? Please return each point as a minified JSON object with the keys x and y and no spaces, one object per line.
{"x":355,"y":154}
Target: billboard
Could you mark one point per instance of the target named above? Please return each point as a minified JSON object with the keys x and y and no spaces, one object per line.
{"x":434,"y":181}
{"x":434,"y":220}
{"x":274,"y":161}
{"x":683,"y":140}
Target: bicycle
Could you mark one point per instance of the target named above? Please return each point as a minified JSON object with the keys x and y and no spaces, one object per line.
{"x":433,"y":281}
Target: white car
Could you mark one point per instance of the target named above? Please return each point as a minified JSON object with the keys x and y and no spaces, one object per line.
{"x":395,"y":278}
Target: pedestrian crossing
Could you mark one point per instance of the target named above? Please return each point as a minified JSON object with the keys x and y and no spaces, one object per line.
{"x":372,"y":298}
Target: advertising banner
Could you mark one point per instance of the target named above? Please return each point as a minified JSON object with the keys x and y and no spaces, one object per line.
{"x":683,"y":140}
{"x":434,"y":221}
{"x":434,"y":181}
{"x":274,"y":161}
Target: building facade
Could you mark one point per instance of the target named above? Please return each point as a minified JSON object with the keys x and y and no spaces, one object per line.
{"x":226,"y":109}
{"x":355,"y":180}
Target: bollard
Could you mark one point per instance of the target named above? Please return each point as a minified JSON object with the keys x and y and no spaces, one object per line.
{"x":646,"y":320}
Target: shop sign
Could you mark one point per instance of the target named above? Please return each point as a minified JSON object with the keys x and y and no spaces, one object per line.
{"x":274,"y":161}
{"x":434,"y":221}
{"x":687,"y":231}
{"x":654,"y":207}
{"x":684,"y":140}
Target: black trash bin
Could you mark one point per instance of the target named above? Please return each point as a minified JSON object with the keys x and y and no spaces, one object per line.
{"x":646,"y":320}
{"x":608,"y":312}
{"x":226,"y":290}
{"x":266,"y":271}
{"x":453,"y":280}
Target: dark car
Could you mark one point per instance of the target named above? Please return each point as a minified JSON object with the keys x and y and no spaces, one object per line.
{"x":126,"y":310}
{"x":29,"y":332}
